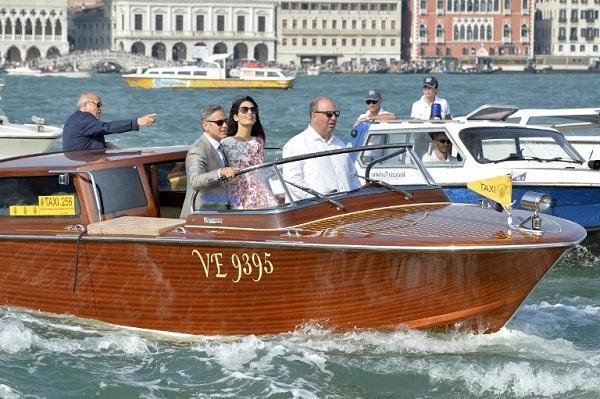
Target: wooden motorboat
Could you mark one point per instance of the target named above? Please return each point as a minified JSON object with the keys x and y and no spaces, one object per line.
{"x":96,"y":235}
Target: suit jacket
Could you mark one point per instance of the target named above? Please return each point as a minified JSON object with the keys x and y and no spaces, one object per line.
{"x":202,"y":165}
{"x":82,"y":131}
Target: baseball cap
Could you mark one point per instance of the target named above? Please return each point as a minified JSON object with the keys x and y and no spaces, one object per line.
{"x":430,"y":81}
{"x":373,"y":95}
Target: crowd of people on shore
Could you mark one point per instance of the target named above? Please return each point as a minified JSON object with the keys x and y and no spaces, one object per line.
{"x":230,"y":143}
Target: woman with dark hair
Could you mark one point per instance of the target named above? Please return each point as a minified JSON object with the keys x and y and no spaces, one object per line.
{"x":244,"y":147}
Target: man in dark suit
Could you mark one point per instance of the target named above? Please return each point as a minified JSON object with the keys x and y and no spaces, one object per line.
{"x":84,"y":130}
{"x":206,"y":165}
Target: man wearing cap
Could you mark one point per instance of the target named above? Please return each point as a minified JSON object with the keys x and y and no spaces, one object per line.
{"x":374,"y":112}
{"x":422,"y":109}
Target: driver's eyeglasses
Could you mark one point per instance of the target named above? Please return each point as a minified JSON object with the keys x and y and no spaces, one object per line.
{"x":443,"y":141}
{"x":219,"y":122}
{"x":98,"y":103}
{"x":370,"y":102}
{"x":329,"y":114}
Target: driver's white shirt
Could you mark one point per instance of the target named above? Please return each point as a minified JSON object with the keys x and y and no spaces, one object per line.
{"x":427,"y":157}
{"x":324,"y":174}
{"x":422,"y":110}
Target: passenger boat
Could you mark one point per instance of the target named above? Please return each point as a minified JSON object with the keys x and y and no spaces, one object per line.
{"x":211,"y":74}
{"x":580,"y":126}
{"x":483,"y":145}
{"x":27,"y":71}
{"x":96,"y":235}
{"x":29,"y":138}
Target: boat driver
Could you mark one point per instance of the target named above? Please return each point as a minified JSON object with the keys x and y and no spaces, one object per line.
{"x":441,"y":149}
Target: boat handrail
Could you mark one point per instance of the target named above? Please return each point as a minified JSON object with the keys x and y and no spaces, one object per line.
{"x":92,"y":180}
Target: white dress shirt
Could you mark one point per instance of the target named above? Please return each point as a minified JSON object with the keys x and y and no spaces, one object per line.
{"x":366,"y":115}
{"x":422,"y":110}
{"x":324,"y":174}
{"x":427,"y":157}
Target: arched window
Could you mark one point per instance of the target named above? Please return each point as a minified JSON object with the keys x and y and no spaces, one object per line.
{"x":525,"y":4}
{"x":449,"y":5}
{"x":439,"y":32}
{"x":456,"y":33}
{"x":506,"y":31}
{"x":496,"y":5}
{"x":28,"y":27}
{"x":476,"y":6}
{"x":507,"y":4}
{"x":462,"y":32}
{"x":469,"y":5}
{"x":48,"y":28}
{"x":462,"y":5}
{"x":524,"y":31}
{"x":475,"y":33}
{"x":57,"y":28}
{"x":488,"y":36}
{"x":38,"y":27}
{"x":18,"y":27}
{"x":482,"y":32}
{"x":490,"y":6}
{"x":423,"y":32}
{"x":469,"y":33}
{"x":456,"y":5}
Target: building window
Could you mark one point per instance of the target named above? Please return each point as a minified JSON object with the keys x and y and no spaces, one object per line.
{"x":158,"y":22}
{"x":524,"y":31}
{"x":392,"y":42}
{"x":241,"y":23}
{"x":440,"y":5}
{"x":393,"y":25}
{"x":423,"y":32}
{"x":262,"y":24}
{"x":284,"y":23}
{"x":363,"y":24}
{"x":354,"y":42}
{"x":199,"y":23}
{"x":334,"y":42}
{"x":179,"y":23}
{"x":314,"y":24}
{"x":343,"y":42}
{"x":304,"y":41}
{"x":324,"y":24}
{"x":373,"y":24}
{"x":324,"y":42}
{"x":383,"y":25}
{"x":138,"y":22}
{"x":284,"y":42}
{"x":314,"y":42}
{"x":304,"y":24}
{"x":373,"y":42}
{"x":221,"y":23}
{"x":439,"y":32}
{"x":423,"y":5}
{"x":334,"y":24}
{"x":506,"y":5}
{"x":506,"y":32}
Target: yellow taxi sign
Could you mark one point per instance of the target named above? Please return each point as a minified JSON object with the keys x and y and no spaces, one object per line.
{"x":48,"y":205}
{"x":497,"y":189}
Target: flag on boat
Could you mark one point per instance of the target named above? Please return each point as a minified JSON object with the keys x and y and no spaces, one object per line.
{"x":497,"y":189}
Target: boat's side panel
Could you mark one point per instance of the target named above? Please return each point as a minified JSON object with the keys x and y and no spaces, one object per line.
{"x":223,"y":290}
{"x":578,"y":204}
{"x":182,"y":83}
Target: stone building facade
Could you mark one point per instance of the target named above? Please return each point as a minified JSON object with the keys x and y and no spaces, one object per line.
{"x":33,"y":29}
{"x":178,"y":30}
{"x":315,"y":31}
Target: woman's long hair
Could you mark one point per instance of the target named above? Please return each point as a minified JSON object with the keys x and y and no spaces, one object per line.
{"x":232,"y":125}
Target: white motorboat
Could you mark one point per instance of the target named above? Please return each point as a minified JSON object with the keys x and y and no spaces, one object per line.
{"x":210,"y":74}
{"x":63,"y":73}
{"x":30,"y":138}
{"x":23,"y":71}
{"x":484,"y":145}
{"x":580,"y":126}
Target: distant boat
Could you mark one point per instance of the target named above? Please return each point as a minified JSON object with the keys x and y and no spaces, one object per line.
{"x":313,"y":70}
{"x":211,"y":74}
{"x":27,"y":71}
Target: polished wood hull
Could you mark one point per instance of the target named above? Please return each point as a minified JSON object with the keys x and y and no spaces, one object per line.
{"x":178,"y":287}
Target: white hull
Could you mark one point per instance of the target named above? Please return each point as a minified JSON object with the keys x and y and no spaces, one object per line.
{"x":16,"y":139}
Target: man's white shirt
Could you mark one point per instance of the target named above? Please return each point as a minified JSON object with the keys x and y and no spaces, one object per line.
{"x":324,"y":174}
{"x":427,"y":157}
{"x":422,"y":110}
{"x":366,"y":115}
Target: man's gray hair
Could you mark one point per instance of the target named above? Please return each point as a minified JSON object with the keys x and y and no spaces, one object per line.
{"x":209,"y":110}
{"x":85,"y":97}
{"x":314,"y":104}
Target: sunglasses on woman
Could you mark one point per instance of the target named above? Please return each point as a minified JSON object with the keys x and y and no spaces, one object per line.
{"x":245,"y":110}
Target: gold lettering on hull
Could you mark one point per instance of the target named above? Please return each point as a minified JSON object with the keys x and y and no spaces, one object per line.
{"x":251,"y":265}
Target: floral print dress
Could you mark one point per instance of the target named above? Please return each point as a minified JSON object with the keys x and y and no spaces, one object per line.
{"x":248,"y":191}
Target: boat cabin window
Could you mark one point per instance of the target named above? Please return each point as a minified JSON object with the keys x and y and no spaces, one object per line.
{"x":168,"y":183}
{"x":259,"y":74}
{"x":153,"y":73}
{"x":272,"y":74}
{"x":40,"y":196}
{"x":120,"y":189}
{"x":513,"y":144}
{"x":422,"y":142}
{"x":168,"y":72}
{"x":200,"y":73}
{"x":184,"y":73}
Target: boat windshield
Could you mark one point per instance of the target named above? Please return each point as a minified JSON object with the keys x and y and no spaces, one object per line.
{"x":501,"y":144}
{"x":323,"y":176}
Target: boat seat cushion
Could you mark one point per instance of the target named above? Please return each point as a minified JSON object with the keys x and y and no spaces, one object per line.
{"x":134,"y":225}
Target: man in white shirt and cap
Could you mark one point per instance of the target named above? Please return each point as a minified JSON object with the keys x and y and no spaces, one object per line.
{"x":373,"y":100}
{"x":324,"y":174}
{"x":421,"y":109}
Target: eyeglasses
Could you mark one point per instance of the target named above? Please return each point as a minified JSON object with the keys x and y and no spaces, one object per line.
{"x":220,"y":122}
{"x":245,"y":110}
{"x":98,"y":103}
{"x":443,"y":141}
{"x":369,"y":102}
{"x":329,"y":114}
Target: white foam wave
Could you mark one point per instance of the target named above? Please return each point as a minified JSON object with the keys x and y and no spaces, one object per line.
{"x":7,"y":392}
{"x":545,"y":317}
{"x":14,"y":335}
